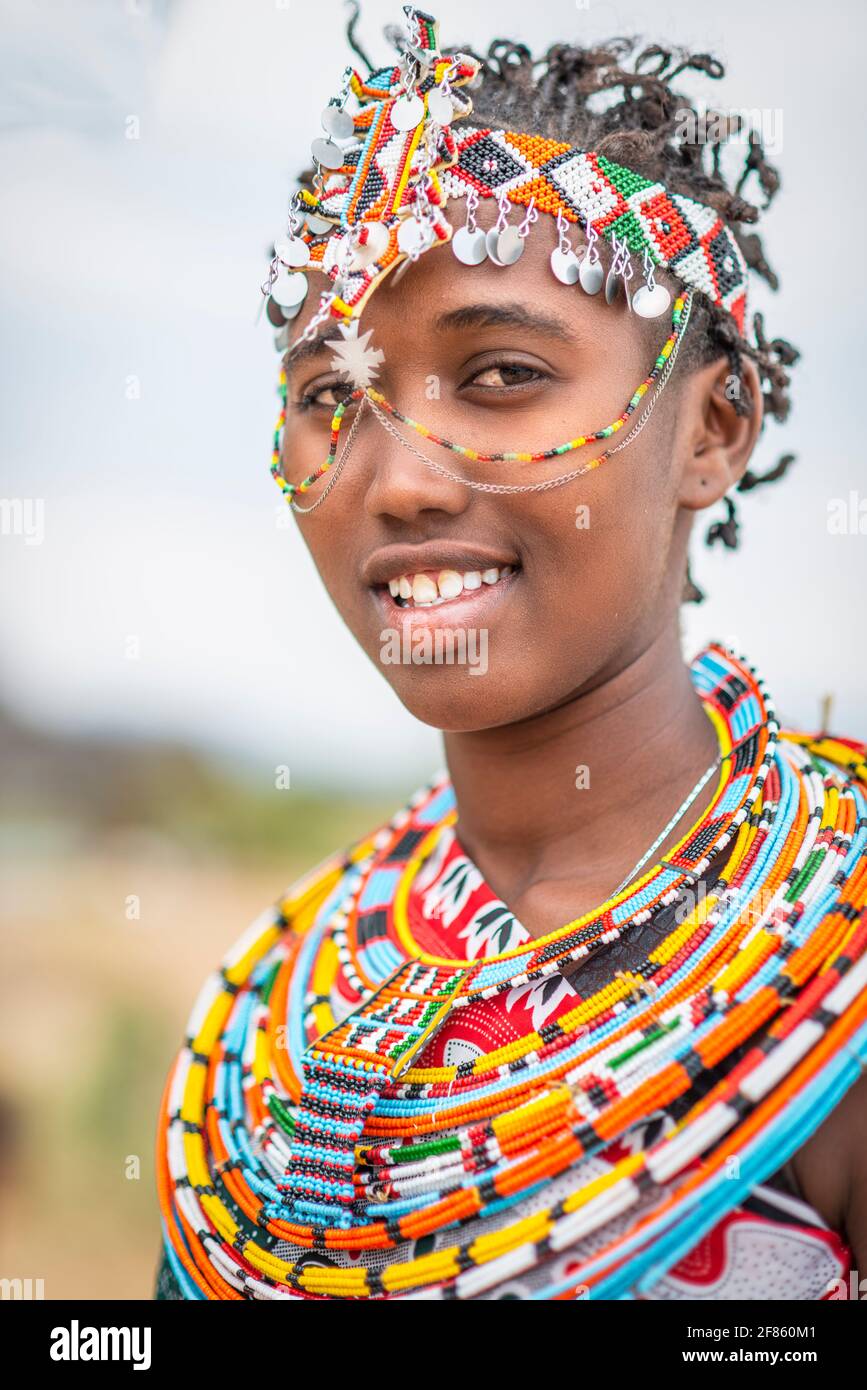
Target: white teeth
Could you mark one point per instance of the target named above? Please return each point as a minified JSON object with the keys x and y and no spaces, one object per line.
{"x":423,"y":589}
{"x":449,"y":583}
{"x":425,"y":592}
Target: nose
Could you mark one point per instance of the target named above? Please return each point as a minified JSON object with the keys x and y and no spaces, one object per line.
{"x":402,"y":485}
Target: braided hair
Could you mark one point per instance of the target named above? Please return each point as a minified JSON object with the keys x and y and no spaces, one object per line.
{"x":617,"y":98}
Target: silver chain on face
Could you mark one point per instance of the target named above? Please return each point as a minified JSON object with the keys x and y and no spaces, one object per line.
{"x":338,"y":467}
{"x":631,"y":434}
{"x":388,"y":424}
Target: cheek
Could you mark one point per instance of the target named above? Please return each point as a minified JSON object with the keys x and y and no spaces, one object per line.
{"x":607,"y":539}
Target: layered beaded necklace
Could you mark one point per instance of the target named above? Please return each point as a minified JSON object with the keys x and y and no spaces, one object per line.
{"x":313,"y":1144}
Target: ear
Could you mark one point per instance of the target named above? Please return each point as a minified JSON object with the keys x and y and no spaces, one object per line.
{"x":721,"y":441}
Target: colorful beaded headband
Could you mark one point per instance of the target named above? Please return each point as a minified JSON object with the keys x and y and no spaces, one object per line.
{"x":384,"y":175}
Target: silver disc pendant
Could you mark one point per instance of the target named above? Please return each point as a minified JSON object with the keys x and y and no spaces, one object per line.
{"x":612,"y":285}
{"x":374,"y":247}
{"x":510,"y":246}
{"x":337,"y":122}
{"x":327,"y":154}
{"x":407,"y":112}
{"x":319,"y":226}
{"x":292,"y":251}
{"x":565,"y":265}
{"x":469,"y":247}
{"x":275,"y":314}
{"x":492,"y":239}
{"x":411,"y":236}
{"x":289,"y":290}
{"x":590,"y":276}
{"x":649,"y":304}
{"x":440,"y":106}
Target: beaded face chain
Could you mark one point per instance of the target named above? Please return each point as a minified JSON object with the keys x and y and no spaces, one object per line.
{"x":386,"y":413}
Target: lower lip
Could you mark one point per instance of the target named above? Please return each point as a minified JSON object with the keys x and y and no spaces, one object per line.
{"x":470,"y":608}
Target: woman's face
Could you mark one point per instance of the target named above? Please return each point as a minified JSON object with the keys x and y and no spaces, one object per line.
{"x":586,"y":575}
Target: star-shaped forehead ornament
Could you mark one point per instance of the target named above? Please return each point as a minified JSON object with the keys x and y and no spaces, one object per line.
{"x":354,"y":358}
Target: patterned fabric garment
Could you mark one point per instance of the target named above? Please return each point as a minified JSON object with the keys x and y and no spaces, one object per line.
{"x":390,"y":1089}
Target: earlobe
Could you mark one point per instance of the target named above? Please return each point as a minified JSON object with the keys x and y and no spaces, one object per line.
{"x":724,"y":433}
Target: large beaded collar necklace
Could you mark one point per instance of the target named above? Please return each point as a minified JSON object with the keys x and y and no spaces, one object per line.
{"x":309,"y":1147}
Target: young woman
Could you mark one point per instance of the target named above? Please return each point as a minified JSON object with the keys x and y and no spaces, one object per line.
{"x":588,"y":1017}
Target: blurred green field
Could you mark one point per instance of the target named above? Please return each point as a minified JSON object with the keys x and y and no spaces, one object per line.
{"x":94,"y":1000}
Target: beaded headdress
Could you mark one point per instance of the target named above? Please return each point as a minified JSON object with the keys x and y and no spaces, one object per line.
{"x":383,"y":177}
{"x":385,"y":173}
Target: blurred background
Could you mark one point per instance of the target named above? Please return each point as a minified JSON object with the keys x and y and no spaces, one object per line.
{"x":170,"y":662}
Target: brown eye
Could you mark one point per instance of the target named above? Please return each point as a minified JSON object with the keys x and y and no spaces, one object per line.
{"x":505,"y":374}
{"x":328,"y":397}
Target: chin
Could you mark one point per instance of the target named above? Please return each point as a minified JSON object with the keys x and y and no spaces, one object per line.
{"x":453,"y":701}
{"x":457,"y":701}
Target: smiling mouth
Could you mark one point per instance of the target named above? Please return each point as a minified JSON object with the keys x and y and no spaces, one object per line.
{"x":436,"y":588}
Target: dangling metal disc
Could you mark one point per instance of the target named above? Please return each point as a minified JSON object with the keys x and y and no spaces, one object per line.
{"x":411,"y":236}
{"x":319,"y":226}
{"x":469,"y":247}
{"x":492,"y":239}
{"x":565,"y":265}
{"x":289,"y":290}
{"x":510,"y":246}
{"x":591,"y":276}
{"x":275,"y":313}
{"x":375,"y":246}
{"x":612,"y":285}
{"x":407,"y":112}
{"x":649,"y":304}
{"x":401,"y":270}
{"x":440,"y":106}
{"x":294,"y":310}
{"x":338,"y":123}
{"x":326,"y":153}
{"x":292,"y":251}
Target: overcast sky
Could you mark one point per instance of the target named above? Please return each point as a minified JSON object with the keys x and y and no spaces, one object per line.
{"x":138,"y":392}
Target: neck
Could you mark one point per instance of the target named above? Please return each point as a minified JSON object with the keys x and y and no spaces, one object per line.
{"x":561,"y":806}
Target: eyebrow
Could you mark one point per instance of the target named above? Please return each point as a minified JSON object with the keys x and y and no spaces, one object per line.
{"x":466,"y":316}
{"x":504,"y":316}
{"x":323,"y":341}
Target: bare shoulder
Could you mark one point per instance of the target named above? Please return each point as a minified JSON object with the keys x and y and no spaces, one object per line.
{"x":831,"y":1169}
